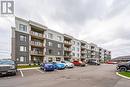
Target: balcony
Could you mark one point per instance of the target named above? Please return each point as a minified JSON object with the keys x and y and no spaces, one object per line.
{"x":67,"y":43}
{"x":92,"y":53}
{"x":37,"y":35}
{"x":67,"y":49}
{"x":83,"y":57}
{"x":67,"y":56}
{"x":37,"y":53}
{"x":83,"y":47}
{"x":37,"y":44}
{"x":83,"y":52}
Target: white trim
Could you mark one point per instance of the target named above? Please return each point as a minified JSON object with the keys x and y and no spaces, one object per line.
{"x":122,"y":75}
{"x":28,"y":68}
{"x":21,"y":73}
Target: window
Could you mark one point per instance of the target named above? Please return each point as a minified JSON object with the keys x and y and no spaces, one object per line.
{"x":58,"y":59}
{"x":50,"y":44}
{"x":73,"y":42}
{"x":49,"y":59}
{"x":78,"y":55}
{"x":73,"y":48}
{"x":50,"y":51}
{"x":22,"y":38}
{"x":59,"y":45}
{"x":73,"y":54}
{"x":50,"y":35}
{"x":22,"y":59}
{"x":59,"y":38}
{"x":23,"y":48}
{"x":58,"y":52}
{"x":77,"y":49}
{"x":23,"y":27}
{"x":77,"y":43}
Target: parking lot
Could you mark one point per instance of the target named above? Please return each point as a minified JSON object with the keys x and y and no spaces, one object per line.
{"x":89,"y":76}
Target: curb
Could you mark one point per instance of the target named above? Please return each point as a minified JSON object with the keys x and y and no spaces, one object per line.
{"x":29,"y":68}
{"x":122,"y":76}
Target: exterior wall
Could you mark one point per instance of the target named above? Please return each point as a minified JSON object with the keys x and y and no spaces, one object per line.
{"x":88,"y":47}
{"x":19,"y":43}
{"x":19,"y":21}
{"x":69,"y":47}
{"x":16,"y":43}
{"x":75,"y":46}
{"x":54,"y":48}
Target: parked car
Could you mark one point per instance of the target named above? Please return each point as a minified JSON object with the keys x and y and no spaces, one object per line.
{"x":68,"y":64}
{"x":123,"y":66}
{"x":79,"y":63}
{"x":111,"y":62}
{"x":7,"y":66}
{"x":47,"y":67}
{"x":59,"y":65}
{"x":93,"y":62}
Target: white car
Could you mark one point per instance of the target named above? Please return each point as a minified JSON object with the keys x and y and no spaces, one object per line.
{"x":68,"y":64}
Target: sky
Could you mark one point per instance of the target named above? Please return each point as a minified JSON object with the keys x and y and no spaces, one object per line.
{"x":103,"y":22}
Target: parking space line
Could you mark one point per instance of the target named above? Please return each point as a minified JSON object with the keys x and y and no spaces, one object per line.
{"x":40,"y":71}
{"x":21,"y":73}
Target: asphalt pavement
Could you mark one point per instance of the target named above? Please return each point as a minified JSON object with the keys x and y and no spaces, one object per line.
{"x":89,"y":76}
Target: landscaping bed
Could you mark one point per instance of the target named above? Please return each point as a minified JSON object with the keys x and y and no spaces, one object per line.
{"x":27,"y":66}
{"x":127,"y":74}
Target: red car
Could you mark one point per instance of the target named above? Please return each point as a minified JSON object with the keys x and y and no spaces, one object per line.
{"x":78,"y":63}
{"x":111,"y":62}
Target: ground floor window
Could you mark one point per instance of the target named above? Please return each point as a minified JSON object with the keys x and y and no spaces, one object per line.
{"x":58,"y":58}
{"x":50,"y":59}
{"x":22,"y":59}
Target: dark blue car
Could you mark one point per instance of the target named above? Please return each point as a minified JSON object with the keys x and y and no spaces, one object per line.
{"x":47,"y":67}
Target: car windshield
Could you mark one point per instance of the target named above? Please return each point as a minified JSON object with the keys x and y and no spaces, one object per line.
{"x":128,"y":62}
{"x":6,"y":62}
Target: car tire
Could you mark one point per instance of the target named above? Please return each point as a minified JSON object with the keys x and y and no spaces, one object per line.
{"x":123,"y":69}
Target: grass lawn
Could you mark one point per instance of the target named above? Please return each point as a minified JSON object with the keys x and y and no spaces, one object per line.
{"x":27,"y":66}
{"x":127,"y":74}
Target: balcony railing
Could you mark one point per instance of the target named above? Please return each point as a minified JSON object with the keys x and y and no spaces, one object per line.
{"x":83,"y":52}
{"x":92,"y":53}
{"x":34,"y":43}
{"x":36,"y":34}
{"x":40,"y":53}
{"x":83,"y":47}
{"x":67,"y":49}
{"x":83,"y":57}
{"x":67,"y":42}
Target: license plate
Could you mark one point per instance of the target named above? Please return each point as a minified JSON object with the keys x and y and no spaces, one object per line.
{"x":3,"y":73}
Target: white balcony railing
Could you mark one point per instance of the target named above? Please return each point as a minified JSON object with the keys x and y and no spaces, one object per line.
{"x":36,"y":34}
{"x":67,"y":42}
{"x":37,"y":52}
{"x":35,"y":43}
{"x":68,"y":49}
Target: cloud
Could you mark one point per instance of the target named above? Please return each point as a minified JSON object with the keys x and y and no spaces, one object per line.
{"x":104,"y":22}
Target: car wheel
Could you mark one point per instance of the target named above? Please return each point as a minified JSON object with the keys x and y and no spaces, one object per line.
{"x":123,"y":69}
{"x":13,"y":73}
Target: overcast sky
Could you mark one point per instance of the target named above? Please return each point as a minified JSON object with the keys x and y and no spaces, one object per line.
{"x":103,"y":22}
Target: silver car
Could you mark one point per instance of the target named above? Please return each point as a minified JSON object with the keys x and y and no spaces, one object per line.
{"x":7,"y":66}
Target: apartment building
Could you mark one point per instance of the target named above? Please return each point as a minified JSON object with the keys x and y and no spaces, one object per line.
{"x":35,"y":43}
{"x":54,"y":46}
{"x":28,"y":41}
{"x":107,"y":55}
{"x":83,"y":50}
{"x":94,"y":50}
{"x":67,"y":47}
{"x":76,"y":49}
{"x":101,"y":54}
